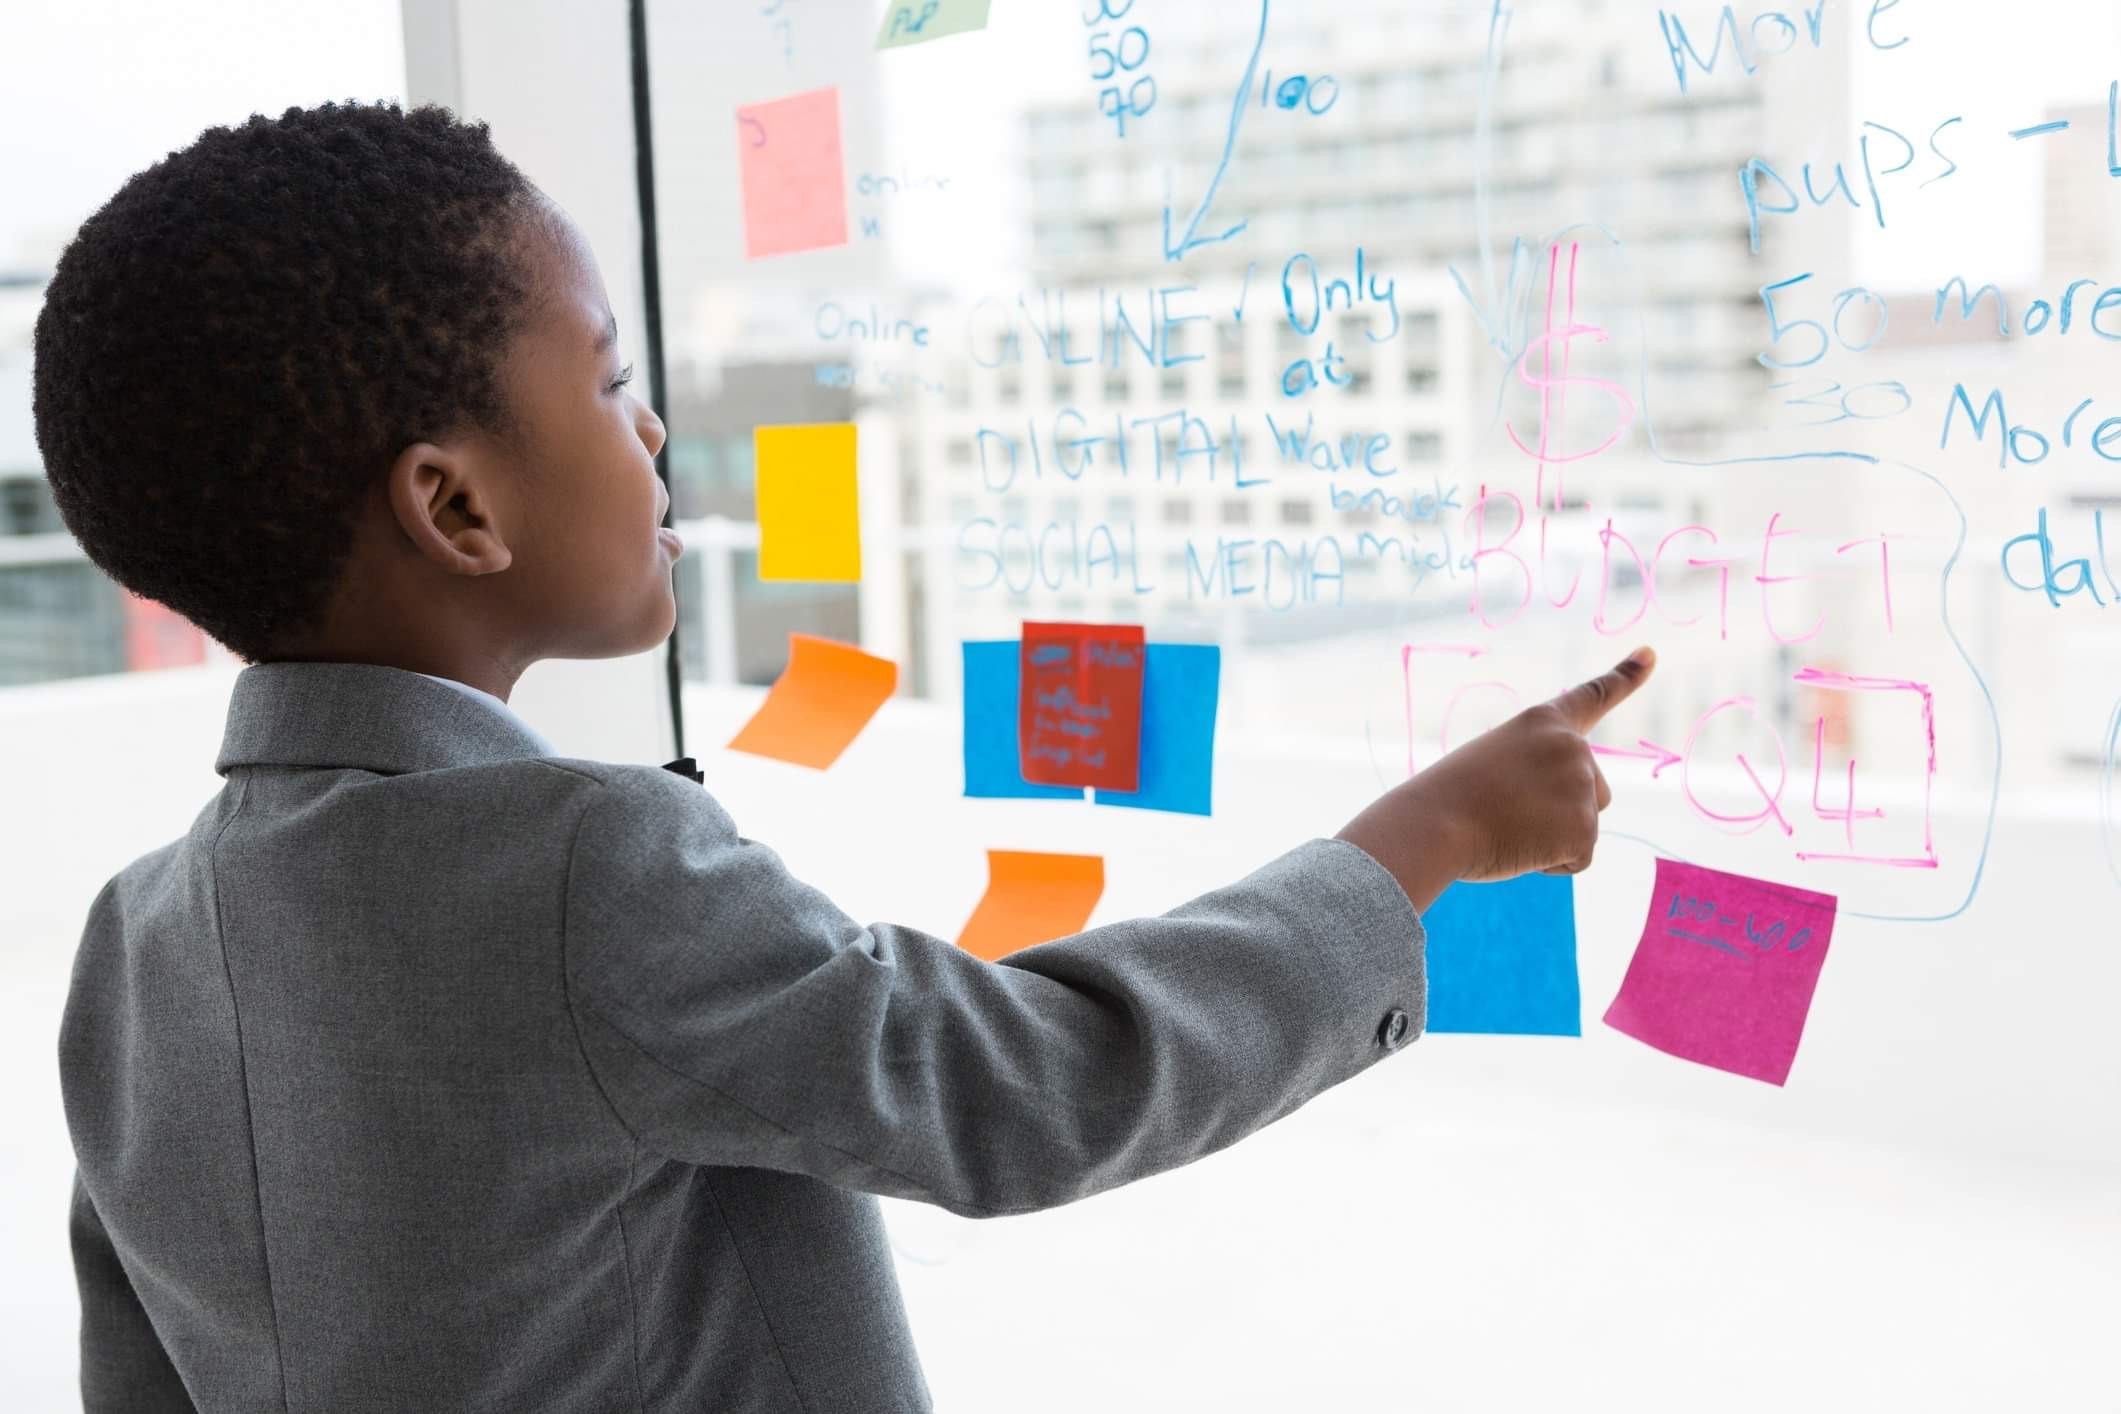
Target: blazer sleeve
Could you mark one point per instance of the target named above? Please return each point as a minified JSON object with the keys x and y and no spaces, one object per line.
{"x":733,"y":1016}
{"x":123,"y":1364}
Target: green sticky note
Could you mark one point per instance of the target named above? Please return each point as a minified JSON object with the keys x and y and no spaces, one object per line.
{"x":918,"y":21}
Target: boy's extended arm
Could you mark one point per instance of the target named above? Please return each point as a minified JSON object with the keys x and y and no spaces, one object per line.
{"x":123,"y":1364}
{"x":734,"y":1016}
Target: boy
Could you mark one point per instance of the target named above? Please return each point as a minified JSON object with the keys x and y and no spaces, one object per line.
{"x":431,"y":1070}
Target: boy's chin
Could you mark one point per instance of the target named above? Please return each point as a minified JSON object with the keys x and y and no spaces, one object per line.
{"x":662,"y":621}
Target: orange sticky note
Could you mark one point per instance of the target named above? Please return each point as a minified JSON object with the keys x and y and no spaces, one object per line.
{"x":820,"y":703}
{"x":809,"y":522}
{"x":1032,"y":898}
{"x":793,"y":177}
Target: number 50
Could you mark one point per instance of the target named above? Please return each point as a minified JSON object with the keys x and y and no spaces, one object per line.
{"x":1777,"y":330}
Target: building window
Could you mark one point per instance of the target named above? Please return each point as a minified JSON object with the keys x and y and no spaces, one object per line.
{"x":1421,"y":378}
{"x":1177,"y":512}
{"x":738,"y":471}
{"x":1296,"y":512}
{"x":1424,"y":446}
{"x":1236,"y":511}
{"x":1173,"y":383}
{"x":691,"y":473}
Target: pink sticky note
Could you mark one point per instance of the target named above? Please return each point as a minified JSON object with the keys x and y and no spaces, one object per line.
{"x":1725,"y":970}
{"x":794,"y":181}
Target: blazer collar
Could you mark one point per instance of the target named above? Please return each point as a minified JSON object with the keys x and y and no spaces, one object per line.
{"x":364,"y":716}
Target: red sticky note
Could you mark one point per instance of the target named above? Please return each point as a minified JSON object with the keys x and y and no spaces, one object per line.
{"x":794,"y":180}
{"x":1725,"y":970}
{"x":1079,"y":705}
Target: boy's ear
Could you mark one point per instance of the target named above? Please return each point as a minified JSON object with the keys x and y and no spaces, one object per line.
{"x":445,"y":509}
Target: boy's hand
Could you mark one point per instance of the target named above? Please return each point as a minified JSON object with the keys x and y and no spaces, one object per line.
{"x":1523,"y":796}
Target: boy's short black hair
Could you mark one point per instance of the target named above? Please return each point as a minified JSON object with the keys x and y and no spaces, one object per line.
{"x":235,"y":345}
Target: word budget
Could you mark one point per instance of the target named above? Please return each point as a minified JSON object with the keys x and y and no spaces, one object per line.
{"x":1504,"y":581}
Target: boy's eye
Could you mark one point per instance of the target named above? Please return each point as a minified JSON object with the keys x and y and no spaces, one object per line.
{"x":625,"y":377}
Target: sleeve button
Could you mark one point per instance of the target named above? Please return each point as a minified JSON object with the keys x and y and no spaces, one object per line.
{"x":1393,"y":1029}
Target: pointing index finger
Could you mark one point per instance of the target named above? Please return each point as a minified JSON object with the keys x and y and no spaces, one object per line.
{"x":1587,"y":702}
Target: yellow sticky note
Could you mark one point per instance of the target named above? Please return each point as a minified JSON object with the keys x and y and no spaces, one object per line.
{"x":809,"y":528}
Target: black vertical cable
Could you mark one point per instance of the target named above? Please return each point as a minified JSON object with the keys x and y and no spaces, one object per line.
{"x":652,"y":301}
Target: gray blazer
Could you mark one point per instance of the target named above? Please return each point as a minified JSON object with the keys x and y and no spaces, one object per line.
{"x":426,"y":1072}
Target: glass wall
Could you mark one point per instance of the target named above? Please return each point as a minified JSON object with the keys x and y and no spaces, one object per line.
{"x":1426,"y":358}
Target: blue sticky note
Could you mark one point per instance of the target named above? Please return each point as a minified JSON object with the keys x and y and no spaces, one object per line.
{"x":992,"y":762}
{"x":1502,"y":958}
{"x":1180,"y":683}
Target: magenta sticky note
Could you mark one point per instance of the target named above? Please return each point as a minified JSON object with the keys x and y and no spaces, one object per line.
{"x":1725,"y":970}
{"x":794,"y":179}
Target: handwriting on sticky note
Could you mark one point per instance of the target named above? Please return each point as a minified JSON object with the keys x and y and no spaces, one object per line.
{"x":1725,"y":970}
{"x":991,"y":678}
{"x":819,"y":704}
{"x":918,"y":21}
{"x":1702,"y":919}
{"x":1080,"y":704}
{"x":1032,"y":898}
{"x":792,"y":174}
{"x":1501,"y":958}
{"x":808,"y":501}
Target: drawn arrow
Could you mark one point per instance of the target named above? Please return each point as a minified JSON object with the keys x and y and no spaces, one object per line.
{"x":1494,"y":313}
{"x":1192,"y":236}
{"x":1651,"y":752}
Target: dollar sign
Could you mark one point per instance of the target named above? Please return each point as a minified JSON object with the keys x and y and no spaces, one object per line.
{"x":1553,"y":392}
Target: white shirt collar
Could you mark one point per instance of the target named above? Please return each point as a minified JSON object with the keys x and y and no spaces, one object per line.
{"x":544,"y":746}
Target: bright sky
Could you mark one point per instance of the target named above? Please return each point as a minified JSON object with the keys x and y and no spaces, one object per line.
{"x":1987,"y":216}
{"x":975,"y":245}
{"x":92,"y":91}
